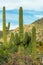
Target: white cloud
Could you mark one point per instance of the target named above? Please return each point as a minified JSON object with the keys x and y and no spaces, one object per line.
{"x":26,"y":4}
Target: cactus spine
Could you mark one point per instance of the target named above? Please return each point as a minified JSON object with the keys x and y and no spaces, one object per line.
{"x":21,"y":23}
{"x":4,"y":26}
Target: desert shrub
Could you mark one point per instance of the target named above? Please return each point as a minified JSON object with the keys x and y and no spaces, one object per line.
{"x":4,"y":55}
{"x":21,"y":49}
{"x":12,"y":48}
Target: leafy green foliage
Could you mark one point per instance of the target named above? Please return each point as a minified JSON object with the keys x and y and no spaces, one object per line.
{"x":4,"y":54}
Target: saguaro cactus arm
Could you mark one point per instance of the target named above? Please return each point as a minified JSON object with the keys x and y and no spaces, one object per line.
{"x":8,"y":25}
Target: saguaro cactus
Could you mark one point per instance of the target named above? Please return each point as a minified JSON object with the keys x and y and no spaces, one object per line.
{"x":26,"y":39}
{"x":17,"y":40}
{"x":33,"y":41}
{"x":21,"y":23}
{"x":12,"y":38}
{"x":8,"y":27}
{"x":33,"y":34}
{"x":4,"y":26}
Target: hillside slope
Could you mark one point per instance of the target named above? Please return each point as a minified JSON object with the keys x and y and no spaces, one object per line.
{"x":28,"y":28}
{"x":39,"y":29}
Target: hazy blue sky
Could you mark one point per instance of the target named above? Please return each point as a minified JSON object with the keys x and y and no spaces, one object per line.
{"x":32,"y":10}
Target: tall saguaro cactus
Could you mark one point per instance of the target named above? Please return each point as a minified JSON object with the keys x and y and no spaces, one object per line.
{"x":33,"y":34}
{"x":4,"y":26}
{"x":33,"y":41}
{"x":21,"y":23}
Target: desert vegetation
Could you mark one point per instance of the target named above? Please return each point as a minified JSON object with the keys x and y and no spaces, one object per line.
{"x":22,"y":48}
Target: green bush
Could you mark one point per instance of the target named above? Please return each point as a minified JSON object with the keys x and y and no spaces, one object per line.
{"x":4,"y":55}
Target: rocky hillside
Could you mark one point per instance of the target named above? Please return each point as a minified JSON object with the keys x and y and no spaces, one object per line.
{"x":39,"y":29}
